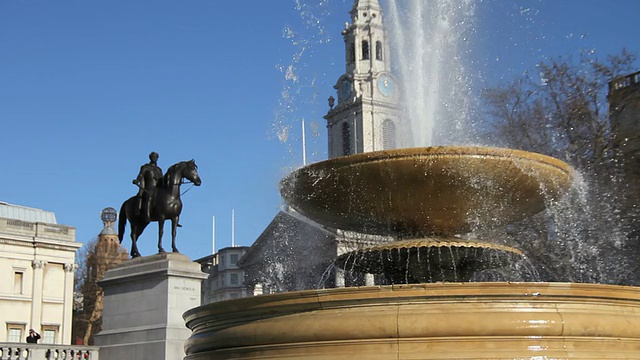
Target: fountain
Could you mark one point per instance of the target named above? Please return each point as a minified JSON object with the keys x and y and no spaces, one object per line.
{"x":426,"y":198}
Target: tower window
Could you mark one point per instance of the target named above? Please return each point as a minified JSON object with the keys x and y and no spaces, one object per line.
{"x":388,"y":135}
{"x":346,"y":139}
{"x":378,"y":50}
{"x":365,"y":50}
{"x":351,"y":57}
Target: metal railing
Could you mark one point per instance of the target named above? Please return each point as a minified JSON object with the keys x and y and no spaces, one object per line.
{"x":22,"y":351}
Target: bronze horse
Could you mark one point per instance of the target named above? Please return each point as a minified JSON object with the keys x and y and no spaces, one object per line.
{"x":166,"y":205}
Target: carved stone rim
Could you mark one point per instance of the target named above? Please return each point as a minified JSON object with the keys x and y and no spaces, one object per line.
{"x":438,"y":242}
{"x":472,"y":151}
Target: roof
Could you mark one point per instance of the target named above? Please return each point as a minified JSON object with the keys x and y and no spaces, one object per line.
{"x":23,"y":213}
{"x":287,"y":229}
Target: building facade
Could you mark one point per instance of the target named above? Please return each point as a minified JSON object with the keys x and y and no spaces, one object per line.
{"x":294,"y":253}
{"x":366,"y":117}
{"x":290,"y":254}
{"x":624,"y":112}
{"x":37,"y":263}
{"x":226,"y":278}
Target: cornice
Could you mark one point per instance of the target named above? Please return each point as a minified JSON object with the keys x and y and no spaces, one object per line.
{"x":335,"y":115}
{"x":31,"y":243}
{"x":343,"y":108}
{"x":66,"y":247}
{"x":12,"y":297}
{"x":16,"y":242}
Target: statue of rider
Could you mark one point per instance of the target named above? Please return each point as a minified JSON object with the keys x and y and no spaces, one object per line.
{"x":148,"y":179}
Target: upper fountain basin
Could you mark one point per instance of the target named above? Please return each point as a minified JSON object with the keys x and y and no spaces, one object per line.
{"x":416,"y":192}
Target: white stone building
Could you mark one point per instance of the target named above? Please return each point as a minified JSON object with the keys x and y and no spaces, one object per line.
{"x":37,"y":262}
{"x":226,"y":279}
{"x":366,"y":117}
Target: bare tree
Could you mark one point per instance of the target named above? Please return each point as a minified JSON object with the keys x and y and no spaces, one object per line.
{"x":99,"y":255}
{"x":563,"y":111}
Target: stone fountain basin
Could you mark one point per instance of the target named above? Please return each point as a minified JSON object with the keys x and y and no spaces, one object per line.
{"x":424,"y":191}
{"x":423,"y":321}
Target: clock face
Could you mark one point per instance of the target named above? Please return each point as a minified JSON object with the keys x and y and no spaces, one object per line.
{"x":345,"y":90}
{"x":109,"y":215}
{"x":386,"y":85}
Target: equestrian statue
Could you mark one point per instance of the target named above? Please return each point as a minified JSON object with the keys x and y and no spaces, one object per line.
{"x":158,"y":199}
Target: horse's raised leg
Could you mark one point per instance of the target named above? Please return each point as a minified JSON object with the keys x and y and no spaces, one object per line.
{"x":160,"y":233}
{"x":174,"y":232}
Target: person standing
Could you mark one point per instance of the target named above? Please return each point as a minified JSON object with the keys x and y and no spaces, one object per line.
{"x":33,"y":337}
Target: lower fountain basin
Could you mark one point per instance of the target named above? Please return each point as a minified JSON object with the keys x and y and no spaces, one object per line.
{"x":423,"y":321}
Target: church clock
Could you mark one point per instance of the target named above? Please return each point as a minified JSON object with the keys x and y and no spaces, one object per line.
{"x":386,"y":85}
{"x":345,"y":90}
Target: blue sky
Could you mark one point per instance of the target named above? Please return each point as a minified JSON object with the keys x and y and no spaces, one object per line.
{"x":88,"y":89}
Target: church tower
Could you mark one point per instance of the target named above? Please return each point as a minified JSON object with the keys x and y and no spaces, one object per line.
{"x":366,"y":117}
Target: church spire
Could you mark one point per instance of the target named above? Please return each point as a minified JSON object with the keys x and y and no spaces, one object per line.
{"x":366,"y":114}
{"x":366,"y":39}
{"x":366,"y":4}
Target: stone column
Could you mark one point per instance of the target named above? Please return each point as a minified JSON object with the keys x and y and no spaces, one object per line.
{"x":339,"y":277}
{"x":36,"y":294}
{"x":144,"y":299}
{"x":68,"y":303}
{"x":369,"y":280}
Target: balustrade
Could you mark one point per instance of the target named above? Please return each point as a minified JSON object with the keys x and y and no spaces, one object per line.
{"x":21,"y":351}
{"x":624,"y":81}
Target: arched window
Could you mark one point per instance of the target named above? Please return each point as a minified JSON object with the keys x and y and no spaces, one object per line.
{"x":388,"y":135}
{"x":351,"y":56}
{"x":346,"y":139}
{"x":365,"y":50}
{"x":378,"y":50}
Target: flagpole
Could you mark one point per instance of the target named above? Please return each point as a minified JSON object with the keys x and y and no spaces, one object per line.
{"x":213,"y":233}
{"x":304,"y":145}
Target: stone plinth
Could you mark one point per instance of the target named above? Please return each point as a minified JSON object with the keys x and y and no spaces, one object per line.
{"x":144,"y":299}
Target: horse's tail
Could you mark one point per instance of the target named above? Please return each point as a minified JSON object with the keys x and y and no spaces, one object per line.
{"x":122,"y":221}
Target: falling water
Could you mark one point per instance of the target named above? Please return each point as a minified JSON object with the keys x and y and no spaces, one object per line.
{"x":299,"y":99}
{"x":428,"y":39}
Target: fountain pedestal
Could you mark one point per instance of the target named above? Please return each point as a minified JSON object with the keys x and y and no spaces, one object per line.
{"x":144,"y":299}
